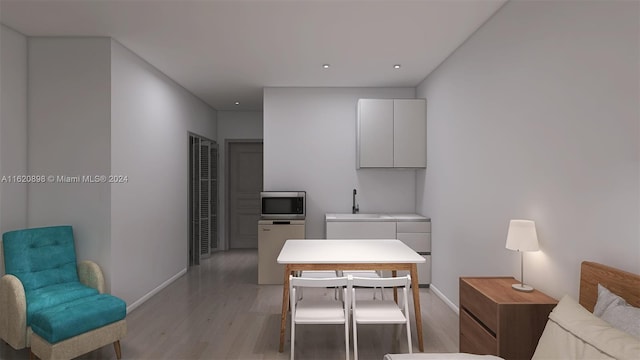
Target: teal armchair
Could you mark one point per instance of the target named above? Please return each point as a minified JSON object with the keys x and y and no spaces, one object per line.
{"x":51,"y":303}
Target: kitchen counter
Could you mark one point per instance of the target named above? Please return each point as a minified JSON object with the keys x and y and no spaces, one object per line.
{"x":378,"y":217}
{"x":413,"y":230}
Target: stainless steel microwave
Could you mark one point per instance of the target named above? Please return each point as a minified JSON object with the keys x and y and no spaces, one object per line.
{"x":283,"y":204}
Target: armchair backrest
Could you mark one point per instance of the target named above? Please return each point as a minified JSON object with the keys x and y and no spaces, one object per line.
{"x":41,"y":256}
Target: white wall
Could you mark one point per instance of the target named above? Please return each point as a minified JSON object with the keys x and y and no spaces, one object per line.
{"x":151,"y":116}
{"x":69,"y":135}
{"x":310,"y":144}
{"x":536,"y":116}
{"x":232,"y":125}
{"x":13,"y":128}
{"x":95,"y":108}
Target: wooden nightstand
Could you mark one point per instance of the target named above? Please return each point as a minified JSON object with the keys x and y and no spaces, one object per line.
{"x":498,"y":320}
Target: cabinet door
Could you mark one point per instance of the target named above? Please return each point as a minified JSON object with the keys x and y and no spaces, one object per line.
{"x":410,"y":133}
{"x":361,"y":230}
{"x":375,"y":133}
{"x":271,"y":239}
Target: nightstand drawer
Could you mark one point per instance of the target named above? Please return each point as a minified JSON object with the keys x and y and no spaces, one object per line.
{"x":474,"y":338}
{"x":496,"y":319}
{"x":479,"y":305}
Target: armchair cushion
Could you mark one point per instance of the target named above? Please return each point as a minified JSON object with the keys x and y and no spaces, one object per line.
{"x":53,"y":295}
{"x":41,"y":257}
{"x":75,"y":317}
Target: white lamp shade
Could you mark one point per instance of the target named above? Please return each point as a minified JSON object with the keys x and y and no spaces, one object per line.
{"x":522,"y":236}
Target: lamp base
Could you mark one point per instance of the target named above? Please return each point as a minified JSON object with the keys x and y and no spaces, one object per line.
{"x":522,"y":287}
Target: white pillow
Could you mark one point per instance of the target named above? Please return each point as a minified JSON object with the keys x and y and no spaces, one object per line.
{"x":573,"y":332}
{"x":617,"y":312}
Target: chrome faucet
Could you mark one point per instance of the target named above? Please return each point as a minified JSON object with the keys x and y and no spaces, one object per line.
{"x":354,"y":208}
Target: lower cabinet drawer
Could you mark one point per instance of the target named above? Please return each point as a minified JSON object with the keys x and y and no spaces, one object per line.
{"x":414,"y":226}
{"x":474,"y":338}
{"x":419,"y":242}
{"x":424,"y":271}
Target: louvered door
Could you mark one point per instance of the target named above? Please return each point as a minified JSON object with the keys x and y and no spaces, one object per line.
{"x":205,"y":200}
{"x":203,"y":195}
{"x":213,"y":196}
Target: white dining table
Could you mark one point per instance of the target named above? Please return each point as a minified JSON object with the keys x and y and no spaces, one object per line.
{"x":349,"y":254}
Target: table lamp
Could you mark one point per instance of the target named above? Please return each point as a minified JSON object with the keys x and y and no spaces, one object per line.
{"x":522,"y":237}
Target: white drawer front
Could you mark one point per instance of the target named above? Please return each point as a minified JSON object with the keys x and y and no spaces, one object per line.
{"x":361,"y":230}
{"x":424,"y":271}
{"x":419,"y":242}
{"x":414,"y":226}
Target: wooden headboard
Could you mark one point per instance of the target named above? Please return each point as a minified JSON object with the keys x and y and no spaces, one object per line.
{"x":619,"y":282}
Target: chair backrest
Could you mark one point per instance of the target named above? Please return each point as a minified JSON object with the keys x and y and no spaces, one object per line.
{"x":318,"y":282}
{"x":41,"y":256}
{"x":400,"y":281}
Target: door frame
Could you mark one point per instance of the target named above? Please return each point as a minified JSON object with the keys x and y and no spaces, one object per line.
{"x":227,"y":212}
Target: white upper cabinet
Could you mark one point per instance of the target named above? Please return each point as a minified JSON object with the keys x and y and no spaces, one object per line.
{"x":391,"y":133}
{"x":409,"y":133}
{"x":375,"y":133}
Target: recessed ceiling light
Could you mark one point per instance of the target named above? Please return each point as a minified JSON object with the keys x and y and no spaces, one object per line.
{"x":396,"y":66}
{"x":326,"y":66}
{"x":237,"y":102}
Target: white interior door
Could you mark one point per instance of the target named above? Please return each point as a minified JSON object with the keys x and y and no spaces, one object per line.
{"x":245,"y":185}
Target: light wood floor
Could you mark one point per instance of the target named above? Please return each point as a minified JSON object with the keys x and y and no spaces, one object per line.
{"x":217,"y":311}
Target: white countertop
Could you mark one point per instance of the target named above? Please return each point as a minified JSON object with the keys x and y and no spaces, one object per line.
{"x":347,"y":251}
{"x":374,"y":217}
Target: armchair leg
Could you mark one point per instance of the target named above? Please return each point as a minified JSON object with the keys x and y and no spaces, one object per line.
{"x":116,"y":346}
{"x":32,"y":356}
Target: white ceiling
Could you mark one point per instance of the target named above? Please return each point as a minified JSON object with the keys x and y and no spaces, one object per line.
{"x":227,"y":51}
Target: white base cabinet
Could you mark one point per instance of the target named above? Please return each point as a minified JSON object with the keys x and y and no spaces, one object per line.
{"x":415,"y":234}
{"x":272,"y":234}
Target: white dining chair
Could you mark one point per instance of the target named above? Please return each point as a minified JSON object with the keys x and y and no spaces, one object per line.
{"x":379,"y":311}
{"x":319,"y":311}
{"x":372,"y":274}
{"x":318,"y":274}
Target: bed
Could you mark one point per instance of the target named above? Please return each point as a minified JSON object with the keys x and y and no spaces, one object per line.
{"x":572,"y":330}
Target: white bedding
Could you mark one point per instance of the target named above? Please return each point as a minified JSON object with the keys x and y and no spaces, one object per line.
{"x":440,"y":356}
{"x":572,"y":332}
